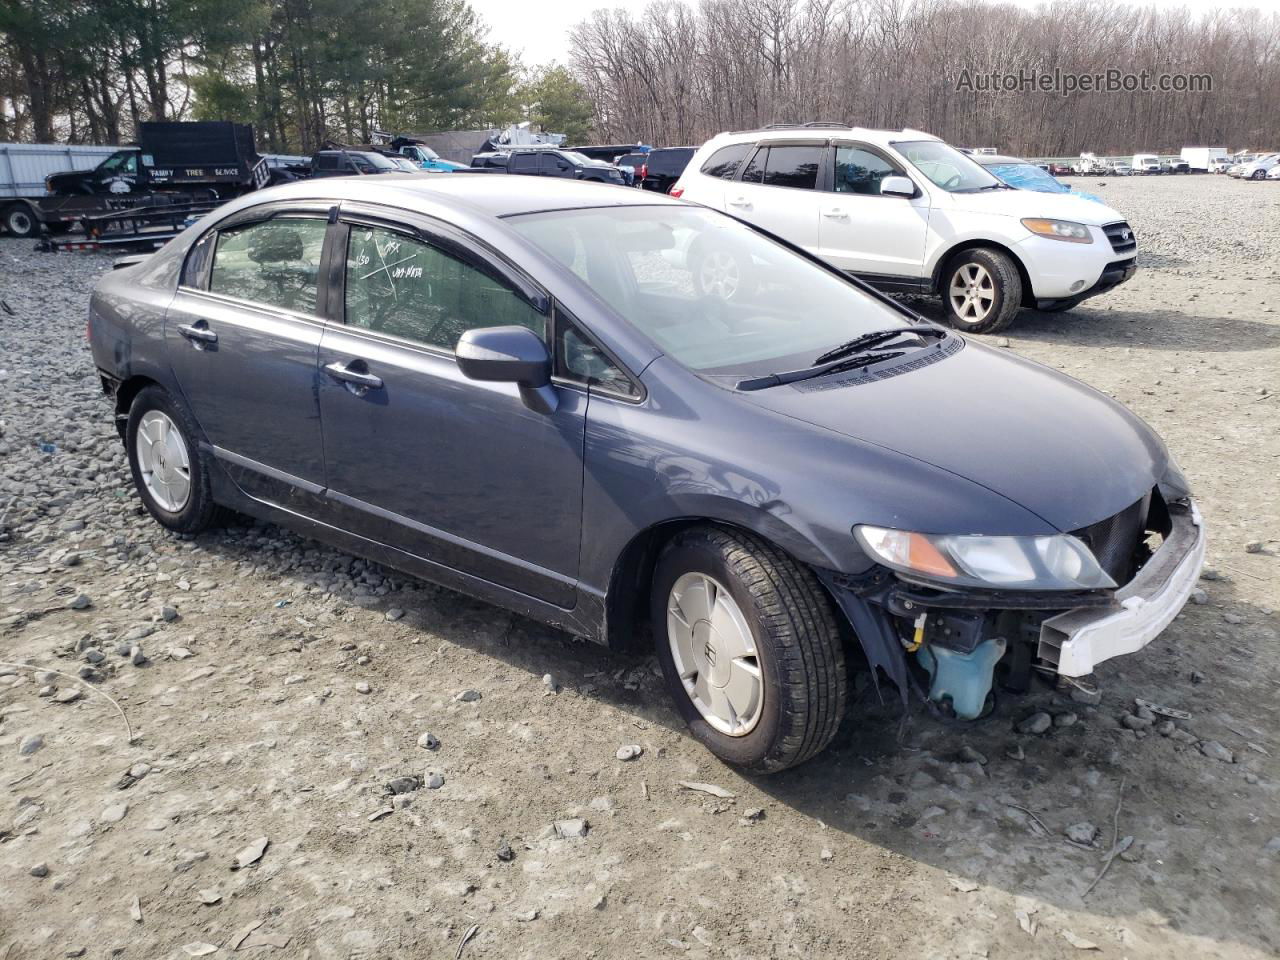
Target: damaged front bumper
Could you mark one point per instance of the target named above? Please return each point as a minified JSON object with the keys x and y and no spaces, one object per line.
{"x":1076,"y":641}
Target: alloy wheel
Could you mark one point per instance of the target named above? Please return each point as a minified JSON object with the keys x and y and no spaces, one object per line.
{"x":164,"y":461}
{"x":972,"y":293}
{"x":720,"y":275}
{"x":715,"y":654}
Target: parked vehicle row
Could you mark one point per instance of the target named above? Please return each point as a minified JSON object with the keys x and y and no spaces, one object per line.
{"x":630,"y":416}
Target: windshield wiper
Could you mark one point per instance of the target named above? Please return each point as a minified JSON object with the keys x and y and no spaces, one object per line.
{"x":869,"y":340}
{"x":836,"y":366}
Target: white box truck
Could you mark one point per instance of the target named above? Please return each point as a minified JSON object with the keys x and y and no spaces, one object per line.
{"x":1200,"y":159}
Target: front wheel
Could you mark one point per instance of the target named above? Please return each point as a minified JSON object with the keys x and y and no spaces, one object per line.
{"x":1259,"y":175}
{"x":981,"y":290}
{"x":749,"y":647}
{"x":723,"y":274}
{"x":169,"y":471}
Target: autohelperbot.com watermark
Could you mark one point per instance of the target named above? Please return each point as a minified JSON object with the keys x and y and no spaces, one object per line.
{"x":1065,"y":82}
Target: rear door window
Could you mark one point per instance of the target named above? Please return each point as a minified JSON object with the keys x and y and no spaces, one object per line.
{"x":523,"y":163}
{"x":754,"y":171}
{"x":274,"y":262}
{"x":793,"y":165}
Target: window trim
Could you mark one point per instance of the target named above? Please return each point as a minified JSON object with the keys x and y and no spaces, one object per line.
{"x":834,"y":146}
{"x":561,"y":314}
{"x":824,"y":163}
{"x":355,"y":215}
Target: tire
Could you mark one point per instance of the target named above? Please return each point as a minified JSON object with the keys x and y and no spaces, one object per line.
{"x":20,"y":220}
{"x":1258,"y":175}
{"x":969,"y":277}
{"x":187,"y":514}
{"x":798,"y":659}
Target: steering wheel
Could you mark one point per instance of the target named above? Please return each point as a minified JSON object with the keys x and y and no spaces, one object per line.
{"x":952,"y":181}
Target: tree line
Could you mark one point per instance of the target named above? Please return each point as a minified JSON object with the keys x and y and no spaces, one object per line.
{"x":301,"y":71}
{"x":679,"y":73}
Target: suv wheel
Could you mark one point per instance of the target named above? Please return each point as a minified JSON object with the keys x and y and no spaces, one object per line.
{"x":981,"y":290}
{"x":723,"y":274}
{"x":749,"y":647}
{"x":168,"y":469}
{"x":1259,"y":175}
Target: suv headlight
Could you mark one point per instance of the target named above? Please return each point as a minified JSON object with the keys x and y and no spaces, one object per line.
{"x":1057,"y":562}
{"x":1059,"y":230}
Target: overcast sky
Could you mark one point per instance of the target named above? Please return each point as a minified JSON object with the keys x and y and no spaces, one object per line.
{"x":539,"y":32}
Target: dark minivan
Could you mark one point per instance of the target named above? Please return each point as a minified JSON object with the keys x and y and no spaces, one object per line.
{"x":664,"y":166}
{"x":544,"y":399}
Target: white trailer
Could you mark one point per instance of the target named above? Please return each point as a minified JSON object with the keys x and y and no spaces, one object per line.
{"x":23,"y":166}
{"x":1200,"y":159}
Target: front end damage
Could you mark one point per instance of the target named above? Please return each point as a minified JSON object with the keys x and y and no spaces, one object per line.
{"x":951,"y":644}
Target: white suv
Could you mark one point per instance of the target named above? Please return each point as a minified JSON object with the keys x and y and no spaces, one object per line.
{"x":908,"y":213}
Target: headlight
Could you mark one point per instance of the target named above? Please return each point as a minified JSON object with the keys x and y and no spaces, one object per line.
{"x":1059,"y":230}
{"x":1058,"y":562}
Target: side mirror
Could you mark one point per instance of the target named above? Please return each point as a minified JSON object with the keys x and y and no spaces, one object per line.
{"x":509,"y":355}
{"x":897,"y":186}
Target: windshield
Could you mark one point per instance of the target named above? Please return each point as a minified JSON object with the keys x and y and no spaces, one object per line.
{"x":428,"y":154}
{"x":946,"y":166}
{"x":1026,"y":176}
{"x":576,"y":157}
{"x":712,"y":293}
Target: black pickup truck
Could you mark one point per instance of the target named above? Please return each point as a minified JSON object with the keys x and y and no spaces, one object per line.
{"x":549,"y":162}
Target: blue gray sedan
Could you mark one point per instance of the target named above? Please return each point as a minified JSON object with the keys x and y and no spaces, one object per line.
{"x":631,"y":417}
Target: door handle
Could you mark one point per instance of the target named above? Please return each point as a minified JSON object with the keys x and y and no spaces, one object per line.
{"x":353,"y":378}
{"x":740,"y":202}
{"x":198,"y":333}
{"x":835,"y":213}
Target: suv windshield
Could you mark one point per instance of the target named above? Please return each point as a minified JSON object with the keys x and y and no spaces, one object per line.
{"x":712,"y":293}
{"x":946,"y":166}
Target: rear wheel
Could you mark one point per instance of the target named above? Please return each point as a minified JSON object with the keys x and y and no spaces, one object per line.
{"x":749,"y":647}
{"x":20,"y":221}
{"x":169,"y":471}
{"x":981,"y":290}
{"x":723,"y":274}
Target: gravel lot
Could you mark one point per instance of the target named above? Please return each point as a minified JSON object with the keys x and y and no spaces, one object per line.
{"x":278,"y":689}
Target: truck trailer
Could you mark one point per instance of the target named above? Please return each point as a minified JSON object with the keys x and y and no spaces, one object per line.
{"x":173,"y":163}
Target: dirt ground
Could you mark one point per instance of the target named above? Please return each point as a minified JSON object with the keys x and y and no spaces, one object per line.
{"x":899,"y":841}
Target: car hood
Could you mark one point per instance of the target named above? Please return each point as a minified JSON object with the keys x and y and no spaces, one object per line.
{"x":1030,"y":203}
{"x":1054,"y":446}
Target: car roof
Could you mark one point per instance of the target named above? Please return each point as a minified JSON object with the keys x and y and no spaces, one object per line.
{"x":495,"y":195}
{"x":881,"y":138}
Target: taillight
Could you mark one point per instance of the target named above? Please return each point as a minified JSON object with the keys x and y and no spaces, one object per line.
{"x":644,"y":170}
{"x":677,"y":191}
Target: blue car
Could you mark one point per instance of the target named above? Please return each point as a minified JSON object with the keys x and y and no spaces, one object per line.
{"x":643,"y":421}
{"x":1025,"y":175}
{"x":428,"y":159}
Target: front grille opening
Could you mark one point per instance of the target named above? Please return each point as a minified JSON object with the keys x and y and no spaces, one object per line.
{"x":1120,"y":542}
{"x":1121,"y":236}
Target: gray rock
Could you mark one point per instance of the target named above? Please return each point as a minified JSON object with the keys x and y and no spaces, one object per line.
{"x":428,"y":741}
{"x":69,"y":695}
{"x":137,"y":657}
{"x":1143,"y":712}
{"x":1132,"y":722}
{"x":434,"y":781}
{"x":1233,"y":618}
{"x":80,"y":602}
{"x":1082,"y":832}
{"x":1216,"y":751}
{"x":168,"y":613}
{"x":94,"y":655}
{"x":469,"y":696}
{"x":1015,"y":752}
{"x":576,"y":827}
{"x":920,"y":780}
{"x":1036,"y":723}
{"x":969,"y":755}
{"x":505,"y":853}
{"x":1165,"y":728}
{"x":404,"y":785}
{"x":629,"y":751}
{"x":1065,"y":720}
{"x":549,"y":682}
{"x":1210,"y":573}
{"x":1253,"y":546}
{"x":1197,"y":676}
{"x":1090,"y":698}
{"x":114,"y":813}
{"x":39,"y":870}
{"x":363,"y":687}
{"x":30,"y":745}
{"x":1199,"y":596}
{"x":1272,"y":845}
{"x":394,"y":614}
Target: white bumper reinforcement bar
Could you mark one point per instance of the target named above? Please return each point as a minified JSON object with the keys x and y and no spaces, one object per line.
{"x":1078,"y":640}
